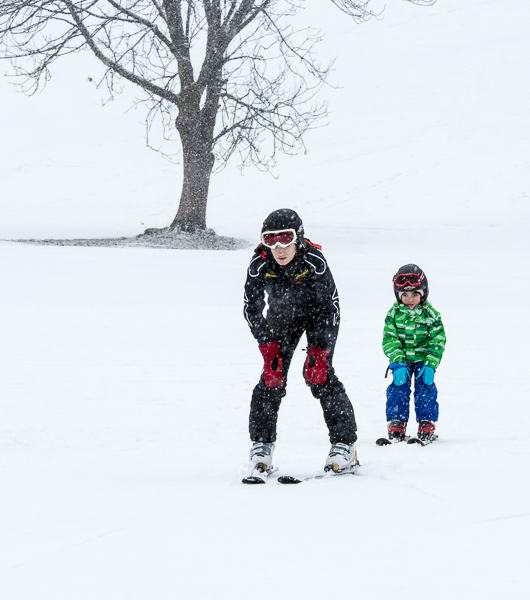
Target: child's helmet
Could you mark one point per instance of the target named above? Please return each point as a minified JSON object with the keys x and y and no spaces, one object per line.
{"x":410,"y":278}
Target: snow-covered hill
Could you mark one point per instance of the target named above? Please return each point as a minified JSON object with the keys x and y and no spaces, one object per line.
{"x":127,"y":373}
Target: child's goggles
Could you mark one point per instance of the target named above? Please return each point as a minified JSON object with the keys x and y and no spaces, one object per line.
{"x":283,"y":238}
{"x":412,"y":279}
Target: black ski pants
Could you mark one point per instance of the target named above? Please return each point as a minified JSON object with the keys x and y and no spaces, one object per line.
{"x":337,"y":408}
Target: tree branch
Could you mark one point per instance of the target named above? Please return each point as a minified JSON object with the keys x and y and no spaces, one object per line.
{"x":114,"y":66}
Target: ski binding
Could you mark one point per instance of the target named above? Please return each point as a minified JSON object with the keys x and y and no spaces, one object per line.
{"x":415,"y":440}
{"x":386,"y":442}
{"x":259,"y":474}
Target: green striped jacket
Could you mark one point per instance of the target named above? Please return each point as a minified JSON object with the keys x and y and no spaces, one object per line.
{"x":414,"y":335}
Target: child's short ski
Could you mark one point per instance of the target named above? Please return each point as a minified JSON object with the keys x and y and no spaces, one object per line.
{"x":425,"y":442}
{"x":289,"y":479}
{"x":259,"y":474}
{"x":386,"y":442}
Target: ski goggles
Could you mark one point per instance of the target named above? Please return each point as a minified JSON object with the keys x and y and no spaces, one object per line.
{"x":283,"y":238}
{"x":412,"y":279}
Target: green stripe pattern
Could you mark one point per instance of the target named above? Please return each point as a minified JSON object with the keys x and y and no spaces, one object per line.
{"x":414,"y":335}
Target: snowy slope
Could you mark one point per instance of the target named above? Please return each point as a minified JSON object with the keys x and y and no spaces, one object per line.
{"x":126,"y":373}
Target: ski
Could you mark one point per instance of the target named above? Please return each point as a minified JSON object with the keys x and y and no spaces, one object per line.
{"x":415,"y":440}
{"x":259,"y":474}
{"x":289,"y":479}
{"x":386,"y":442}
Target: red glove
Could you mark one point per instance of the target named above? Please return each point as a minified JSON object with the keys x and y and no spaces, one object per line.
{"x":272,"y":369}
{"x":316,"y":367}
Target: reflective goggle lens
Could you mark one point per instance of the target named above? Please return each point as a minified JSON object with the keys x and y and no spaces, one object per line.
{"x":407,"y":279}
{"x":284,"y":238}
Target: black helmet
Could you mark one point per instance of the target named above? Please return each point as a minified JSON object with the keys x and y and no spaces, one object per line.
{"x":284,"y":218}
{"x":410,"y":278}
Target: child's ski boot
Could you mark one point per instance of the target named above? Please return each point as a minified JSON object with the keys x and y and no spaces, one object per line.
{"x":426,"y":433}
{"x":396,"y":431}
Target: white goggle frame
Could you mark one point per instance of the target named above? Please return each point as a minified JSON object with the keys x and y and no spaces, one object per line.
{"x":278,"y":243}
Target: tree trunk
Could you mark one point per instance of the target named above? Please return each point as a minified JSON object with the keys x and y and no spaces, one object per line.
{"x":198,"y":164}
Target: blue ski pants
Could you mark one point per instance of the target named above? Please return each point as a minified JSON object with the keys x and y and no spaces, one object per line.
{"x":425,"y":398}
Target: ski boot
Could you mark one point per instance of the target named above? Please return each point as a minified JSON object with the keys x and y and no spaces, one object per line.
{"x":396,"y":431}
{"x":341,"y":458}
{"x":261,"y":453}
{"x":260,"y":462}
{"x":426,"y":431}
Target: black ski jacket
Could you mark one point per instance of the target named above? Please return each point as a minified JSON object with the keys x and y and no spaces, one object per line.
{"x":300,"y":295}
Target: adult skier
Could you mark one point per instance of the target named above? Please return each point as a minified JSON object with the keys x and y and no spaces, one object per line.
{"x":290,"y":276}
{"x":414,"y":342}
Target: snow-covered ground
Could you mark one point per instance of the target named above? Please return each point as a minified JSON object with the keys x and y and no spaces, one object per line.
{"x":126,"y":373}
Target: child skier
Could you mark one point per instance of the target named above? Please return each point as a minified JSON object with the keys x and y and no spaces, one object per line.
{"x":291,"y":276}
{"x":414,"y":341}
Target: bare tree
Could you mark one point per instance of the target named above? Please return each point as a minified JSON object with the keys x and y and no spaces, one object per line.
{"x":232,"y":76}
